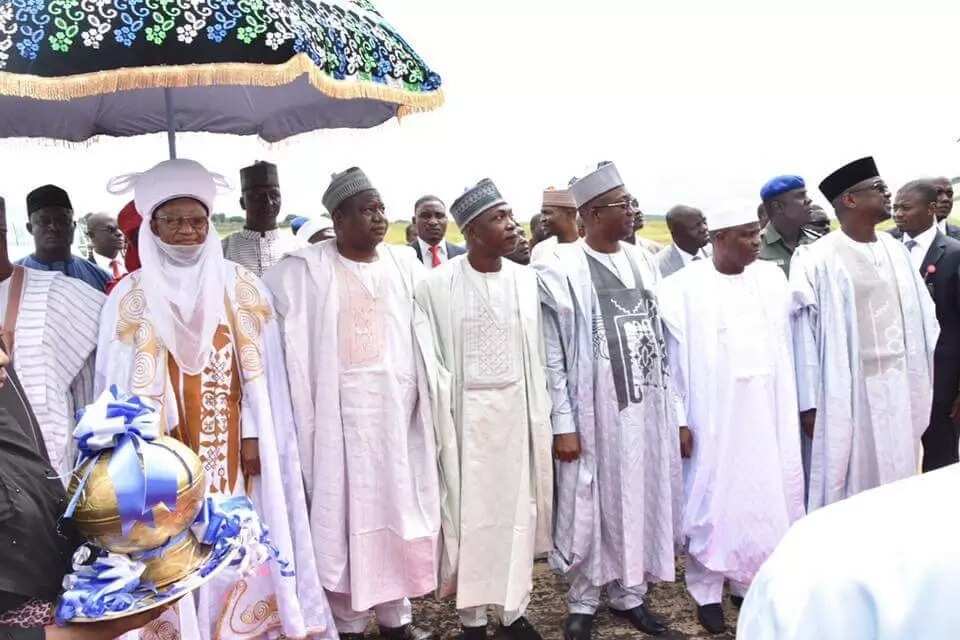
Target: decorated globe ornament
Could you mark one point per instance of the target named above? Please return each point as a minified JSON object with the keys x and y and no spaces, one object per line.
{"x":97,"y":514}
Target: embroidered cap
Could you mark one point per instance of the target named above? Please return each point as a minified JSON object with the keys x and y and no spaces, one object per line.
{"x":558,"y":198}
{"x":730,"y":217}
{"x":475,"y":201}
{"x":593,"y":185}
{"x":345,"y":185}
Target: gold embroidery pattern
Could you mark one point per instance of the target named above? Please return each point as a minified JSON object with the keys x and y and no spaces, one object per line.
{"x":160,"y":630}
{"x":134,"y":329}
{"x":251,"y":622}
{"x":252,"y":315}
{"x":215,"y":419}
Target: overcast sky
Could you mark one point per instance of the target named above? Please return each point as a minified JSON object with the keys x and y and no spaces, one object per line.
{"x":696,"y":101}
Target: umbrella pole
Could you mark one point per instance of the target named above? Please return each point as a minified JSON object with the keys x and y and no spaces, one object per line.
{"x":171,"y":124}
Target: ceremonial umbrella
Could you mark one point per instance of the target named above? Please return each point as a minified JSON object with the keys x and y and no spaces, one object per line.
{"x":76,"y":69}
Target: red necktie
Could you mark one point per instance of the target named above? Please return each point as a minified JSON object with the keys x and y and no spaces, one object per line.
{"x":435,"y":252}
{"x":115,"y":267}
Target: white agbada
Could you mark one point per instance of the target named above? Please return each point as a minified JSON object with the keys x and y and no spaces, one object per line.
{"x":618,"y":506}
{"x":865,"y":330}
{"x":55,"y":325}
{"x":496,"y":438}
{"x":880,"y":566}
{"x":196,"y":335}
{"x":731,"y":357}
{"x":365,"y":429}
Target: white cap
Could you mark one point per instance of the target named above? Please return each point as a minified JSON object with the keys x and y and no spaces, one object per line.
{"x":595,"y":184}
{"x":167,"y":181}
{"x":313,"y":226}
{"x":730,"y":217}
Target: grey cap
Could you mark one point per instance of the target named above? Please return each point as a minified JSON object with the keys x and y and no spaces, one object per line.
{"x":475,"y":201}
{"x":605,"y":179}
{"x":344,"y":185}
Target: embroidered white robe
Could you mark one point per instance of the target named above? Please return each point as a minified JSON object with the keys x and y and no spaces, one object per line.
{"x":355,"y":361}
{"x":730,"y":351}
{"x":618,"y":506}
{"x":132,"y":357}
{"x":498,"y":474}
{"x":865,"y":335}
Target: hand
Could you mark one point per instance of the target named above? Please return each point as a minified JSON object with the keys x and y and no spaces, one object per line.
{"x":250,"y":456}
{"x":106,"y":630}
{"x":566,"y":447}
{"x":807,"y":419}
{"x":955,"y":411}
{"x":686,"y":442}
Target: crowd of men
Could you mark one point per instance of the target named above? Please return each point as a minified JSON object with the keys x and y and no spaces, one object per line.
{"x":431,"y":418}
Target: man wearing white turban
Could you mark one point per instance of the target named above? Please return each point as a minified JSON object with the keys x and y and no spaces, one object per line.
{"x":197,"y":335}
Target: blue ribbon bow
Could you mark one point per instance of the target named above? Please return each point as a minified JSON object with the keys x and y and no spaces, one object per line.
{"x":105,"y":586}
{"x":144,"y":474}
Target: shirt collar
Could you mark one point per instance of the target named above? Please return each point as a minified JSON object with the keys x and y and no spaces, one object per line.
{"x":425,"y":248}
{"x":942,"y":225}
{"x":925,"y":239}
{"x":688,"y":257}
{"x":249,"y":234}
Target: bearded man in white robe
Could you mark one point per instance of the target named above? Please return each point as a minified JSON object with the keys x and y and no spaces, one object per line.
{"x":196,"y":336}
{"x":49,"y":328}
{"x":730,"y":349}
{"x":495,"y":438}
{"x":364,"y":422}
{"x":615,"y":432}
{"x":865,"y":330}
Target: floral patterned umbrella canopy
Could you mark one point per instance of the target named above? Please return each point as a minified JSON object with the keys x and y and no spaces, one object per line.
{"x":75,"y":69}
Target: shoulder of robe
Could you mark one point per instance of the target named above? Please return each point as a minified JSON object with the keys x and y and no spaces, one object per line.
{"x":75,"y":289}
{"x":293,"y":264}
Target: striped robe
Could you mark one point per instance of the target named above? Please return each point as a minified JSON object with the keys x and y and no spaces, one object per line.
{"x":54,"y":343}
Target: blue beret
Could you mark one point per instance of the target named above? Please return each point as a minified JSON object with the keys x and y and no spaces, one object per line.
{"x":781,"y":184}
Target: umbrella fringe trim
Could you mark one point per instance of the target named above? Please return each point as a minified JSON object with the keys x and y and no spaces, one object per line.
{"x":221,"y":73}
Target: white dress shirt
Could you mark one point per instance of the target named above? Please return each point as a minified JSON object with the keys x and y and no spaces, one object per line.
{"x":919,"y":246}
{"x":105,"y":263}
{"x":688,"y":257}
{"x":942,"y":225}
{"x":427,"y":257}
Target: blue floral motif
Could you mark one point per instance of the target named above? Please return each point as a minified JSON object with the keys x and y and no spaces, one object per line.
{"x":347,"y":40}
{"x":217,"y":32}
{"x":125,"y":36}
{"x":28,"y":49}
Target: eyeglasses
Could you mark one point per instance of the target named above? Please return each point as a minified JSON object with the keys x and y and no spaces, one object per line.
{"x":631,"y":205}
{"x":176,"y":224}
{"x":880,"y":187}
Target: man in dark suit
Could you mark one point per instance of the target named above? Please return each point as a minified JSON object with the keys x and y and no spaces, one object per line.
{"x":944,"y":206}
{"x":937,"y":258}
{"x":430,"y":219}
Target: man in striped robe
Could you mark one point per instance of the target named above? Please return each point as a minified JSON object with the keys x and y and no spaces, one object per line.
{"x":49,"y":326}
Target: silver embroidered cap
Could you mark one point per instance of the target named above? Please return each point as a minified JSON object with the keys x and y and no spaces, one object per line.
{"x":595,"y":184}
{"x":344,"y":185}
{"x":475,"y":201}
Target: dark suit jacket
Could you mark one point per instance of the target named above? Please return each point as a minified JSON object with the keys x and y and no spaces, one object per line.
{"x":953,"y":231}
{"x":453,"y":250}
{"x":944,"y":285}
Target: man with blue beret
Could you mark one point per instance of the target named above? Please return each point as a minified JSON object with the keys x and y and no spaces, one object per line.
{"x":787,"y":206}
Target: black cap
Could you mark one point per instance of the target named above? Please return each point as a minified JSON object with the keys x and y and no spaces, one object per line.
{"x":49,"y":195}
{"x":259,"y":174}
{"x":847,"y":176}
